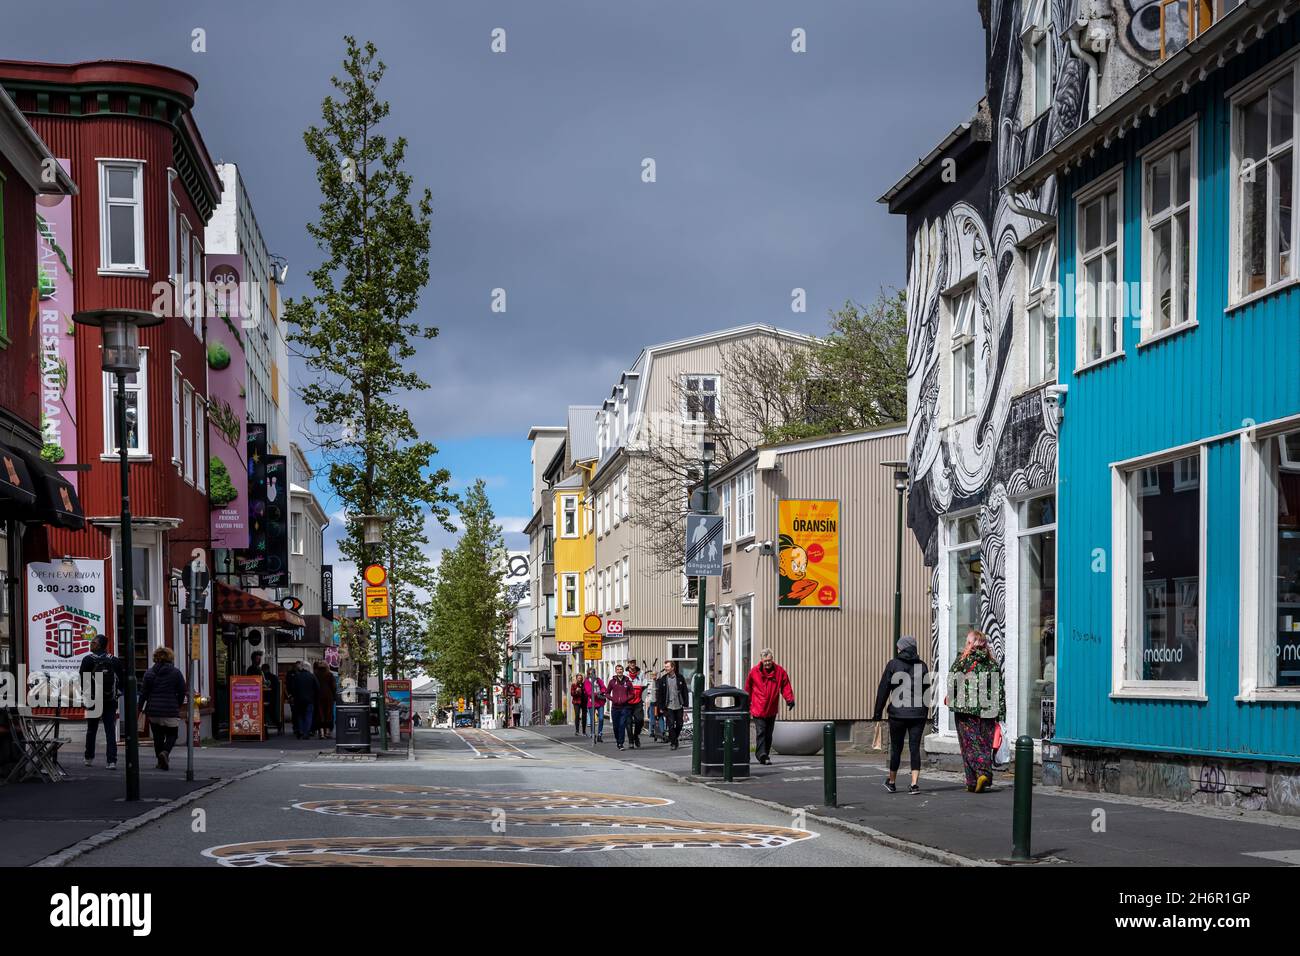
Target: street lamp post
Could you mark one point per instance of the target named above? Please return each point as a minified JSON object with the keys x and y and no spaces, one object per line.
{"x":701,"y":586}
{"x":120,"y":355}
{"x":372,"y":535}
{"x":900,"y":485}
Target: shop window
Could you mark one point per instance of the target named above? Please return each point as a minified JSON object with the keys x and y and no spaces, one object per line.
{"x":1270,"y":541}
{"x":1037,"y":666}
{"x":1263,"y":135}
{"x":1099,"y":243}
{"x":1160,"y":548}
{"x":1169,"y":234}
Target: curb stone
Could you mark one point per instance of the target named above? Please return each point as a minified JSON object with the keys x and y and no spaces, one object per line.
{"x":104,"y":837}
{"x":920,"y":850}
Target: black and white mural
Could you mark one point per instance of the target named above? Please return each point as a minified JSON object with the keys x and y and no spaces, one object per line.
{"x":971,"y":227}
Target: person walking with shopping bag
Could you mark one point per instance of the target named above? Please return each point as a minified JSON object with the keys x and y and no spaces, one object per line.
{"x":162,"y":694}
{"x":902,"y":693}
{"x":766,"y":684}
{"x":978,"y":701}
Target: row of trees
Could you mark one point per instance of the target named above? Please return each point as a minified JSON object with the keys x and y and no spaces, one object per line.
{"x":356,"y":334}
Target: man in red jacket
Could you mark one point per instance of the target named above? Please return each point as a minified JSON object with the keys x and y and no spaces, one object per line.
{"x":766,"y":684}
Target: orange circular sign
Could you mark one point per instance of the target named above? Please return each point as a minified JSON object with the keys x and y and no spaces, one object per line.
{"x":375,"y":575}
{"x":591,"y":623}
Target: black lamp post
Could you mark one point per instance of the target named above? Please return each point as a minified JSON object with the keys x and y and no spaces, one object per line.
{"x":900,"y":485}
{"x":120,"y":355}
{"x":701,"y":589}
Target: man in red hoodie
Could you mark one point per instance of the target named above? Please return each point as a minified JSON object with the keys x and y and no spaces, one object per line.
{"x":766,"y":684}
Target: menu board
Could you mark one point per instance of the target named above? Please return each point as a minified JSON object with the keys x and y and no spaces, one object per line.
{"x":246,"y":718}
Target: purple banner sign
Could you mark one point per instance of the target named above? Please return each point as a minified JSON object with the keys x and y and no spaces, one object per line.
{"x":58,"y":354}
{"x":227,"y":437}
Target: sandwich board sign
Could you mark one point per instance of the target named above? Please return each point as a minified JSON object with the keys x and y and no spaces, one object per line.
{"x":703,"y":545}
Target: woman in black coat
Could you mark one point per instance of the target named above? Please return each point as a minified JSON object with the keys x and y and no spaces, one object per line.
{"x":161,"y":698}
{"x":903,"y":685}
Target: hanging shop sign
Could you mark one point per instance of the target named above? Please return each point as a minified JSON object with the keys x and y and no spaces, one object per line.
{"x":227,"y":463}
{"x":275,"y":562}
{"x":58,"y":353}
{"x":808,"y":553}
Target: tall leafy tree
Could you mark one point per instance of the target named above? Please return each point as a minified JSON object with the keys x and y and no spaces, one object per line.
{"x":470,"y":607}
{"x":357,"y":332}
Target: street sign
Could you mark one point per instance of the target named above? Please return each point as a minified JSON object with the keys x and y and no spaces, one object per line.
{"x":376,"y":601}
{"x":375,"y":575}
{"x":591,"y":649}
{"x":614,"y":628}
{"x":703,"y":545}
{"x":564,"y":647}
{"x":591,"y":624}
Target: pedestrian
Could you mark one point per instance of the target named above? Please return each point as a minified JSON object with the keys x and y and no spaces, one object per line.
{"x":649,"y":685}
{"x":518,"y":711}
{"x":105,"y":667}
{"x":303,"y":689}
{"x":904,"y":685}
{"x":325,"y":699}
{"x":595,"y":691}
{"x":276,"y":711}
{"x":637,"y":719}
{"x":766,"y":684}
{"x":673,"y":697}
{"x":978,"y":702}
{"x":620,"y":700}
{"x":578,"y":695}
{"x":162,"y":695}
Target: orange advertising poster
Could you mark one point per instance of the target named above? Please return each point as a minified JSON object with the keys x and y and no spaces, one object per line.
{"x":808,"y":553}
{"x":246,"y":719}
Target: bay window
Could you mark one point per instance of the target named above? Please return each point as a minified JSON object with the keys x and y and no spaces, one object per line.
{"x":1100,"y":252}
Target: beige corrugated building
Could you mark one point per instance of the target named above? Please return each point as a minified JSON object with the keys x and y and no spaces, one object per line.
{"x":834,"y":655}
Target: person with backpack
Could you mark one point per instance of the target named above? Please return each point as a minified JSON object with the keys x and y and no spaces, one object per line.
{"x":620,"y":699}
{"x":636,"y":720}
{"x":766,"y":684}
{"x":110,"y":670}
{"x":903,"y":685}
{"x":578,"y":695}
{"x":594,"y":688}
{"x":161,"y":697}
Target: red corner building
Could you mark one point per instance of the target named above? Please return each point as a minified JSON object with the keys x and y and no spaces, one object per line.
{"x":133,"y":239}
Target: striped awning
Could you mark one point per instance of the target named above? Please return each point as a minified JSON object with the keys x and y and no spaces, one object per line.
{"x":239,"y":607}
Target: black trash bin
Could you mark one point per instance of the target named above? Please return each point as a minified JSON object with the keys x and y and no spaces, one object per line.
{"x":352,"y":729}
{"x":719,"y":705}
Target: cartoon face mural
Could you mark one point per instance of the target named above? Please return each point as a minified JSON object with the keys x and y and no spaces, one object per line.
{"x":1008,"y":445}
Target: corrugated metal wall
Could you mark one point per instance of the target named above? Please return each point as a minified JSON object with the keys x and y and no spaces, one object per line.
{"x":1236,"y":366}
{"x":835,"y":657}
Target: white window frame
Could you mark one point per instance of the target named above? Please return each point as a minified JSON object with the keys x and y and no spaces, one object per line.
{"x":196,"y":268}
{"x":568,"y":510}
{"x":184,"y":291}
{"x":1126,"y":569}
{"x":627,"y":581}
{"x":617,"y":586}
{"x":745,"y":524}
{"x":600,"y":591}
{"x":141,"y":386}
{"x":187,"y":415}
{"x":296,"y":536}
{"x":567,"y":580}
{"x":200,"y":443}
{"x":687,"y":600}
{"x":1112,"y":181}
{"x":106,"y":265}
{"x":700,"y":390}
{"x":1163,"y":150}
{"x":1259,"y":615}
{"x":962,"y":344}
{"x":726,"y":512}
{"x":1041,"y":369}
{"x":173,"y":213}
{"x":605,"y":496}
{"x":1237,"y":97}
{"x":627,"y":503}
{"x":176,"y":413}
{"x":1036,"y":42}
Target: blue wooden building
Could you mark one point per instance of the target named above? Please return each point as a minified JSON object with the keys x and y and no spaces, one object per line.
{"x":1178,"y":305}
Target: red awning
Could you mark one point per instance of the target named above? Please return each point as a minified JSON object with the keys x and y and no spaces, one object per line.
{"x":239,"y":607}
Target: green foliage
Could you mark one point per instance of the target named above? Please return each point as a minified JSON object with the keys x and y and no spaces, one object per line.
{"x":218,"y":357}
{"x":221,"y":490}
{"x":470,"y":608}
{"x":556,"y":718}
{"x":52,"y":453}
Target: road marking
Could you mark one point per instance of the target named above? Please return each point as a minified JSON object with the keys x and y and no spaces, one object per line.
{"x":1290,"y":857}
{"x":485,"y":744}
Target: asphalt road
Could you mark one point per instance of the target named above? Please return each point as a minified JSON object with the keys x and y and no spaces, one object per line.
{"x":472,"y":797}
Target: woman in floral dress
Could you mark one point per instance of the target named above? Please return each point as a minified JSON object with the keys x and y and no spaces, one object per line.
{"x":978,"y":703}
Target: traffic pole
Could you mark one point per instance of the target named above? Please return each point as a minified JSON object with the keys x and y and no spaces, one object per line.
{"x":726,"y":749}
{"x":1022,"y":813}
{"x":701,"y":588}
{"x":828,"y":765}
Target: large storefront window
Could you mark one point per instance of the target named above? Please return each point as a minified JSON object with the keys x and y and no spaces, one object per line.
{"x":965,"y":567}
{"x":1280,"y":649}
{"x":1037,"y":611}
{"x":1164,"y":572}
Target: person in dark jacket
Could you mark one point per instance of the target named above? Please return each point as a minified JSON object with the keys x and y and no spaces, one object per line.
{"x":620,"y":700}
{"x":903,"y":685}
{"x":325,"y":699}
{"x":161,"y":697}
{"x":672,"y":698}
{"x":112,"y":672}
{"x":303,"y":691}
{"x":578,"y":694}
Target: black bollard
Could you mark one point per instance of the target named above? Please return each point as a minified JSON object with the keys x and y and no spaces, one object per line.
{"x":1024,"y":798}
{"x":828,"y":768}
{"x":726,"y":749}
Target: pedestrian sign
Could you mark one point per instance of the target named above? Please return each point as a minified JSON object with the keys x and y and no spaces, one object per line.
{"x":703,"y":545}
{"x":376,"y":601}
{"x":591,"y":648}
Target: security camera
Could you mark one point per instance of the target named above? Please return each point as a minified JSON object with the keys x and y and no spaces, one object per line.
{"x":764,"y":547}
{"x":1056,"y":395}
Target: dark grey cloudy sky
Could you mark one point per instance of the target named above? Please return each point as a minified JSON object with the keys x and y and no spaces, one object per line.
{"x":769,"y":164}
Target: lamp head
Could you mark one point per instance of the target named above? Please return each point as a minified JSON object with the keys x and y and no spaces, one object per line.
{"x":120,"y":329}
